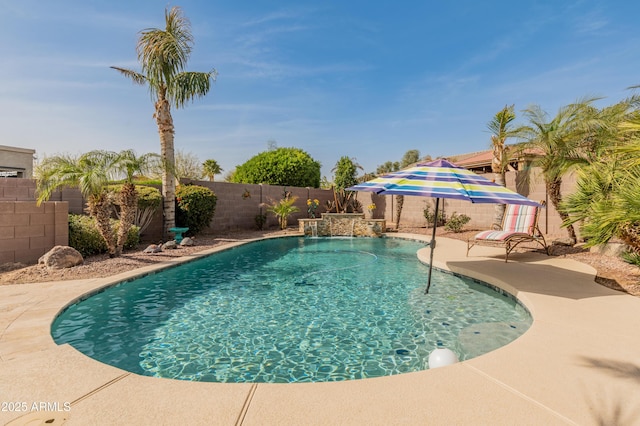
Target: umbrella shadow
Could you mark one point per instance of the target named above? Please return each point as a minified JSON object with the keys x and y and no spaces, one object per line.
{"x":616,"y":369}
{"x":609,"y":409}
{"x":525,"y":273}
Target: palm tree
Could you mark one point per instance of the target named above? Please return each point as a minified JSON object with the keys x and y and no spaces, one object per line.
{"x":607,"y":198}
{"x":283,"y":209}
{"x":561,"y":143}
{"x":163,"y":56}
{"x":501,"y":129}
{"x":129,"y":164}
{"x":211,"y":168}
{"x":388,"y":167}
{"x":91,"y":173}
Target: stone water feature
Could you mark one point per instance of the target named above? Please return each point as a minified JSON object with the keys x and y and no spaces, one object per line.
{"x":342,"y":225}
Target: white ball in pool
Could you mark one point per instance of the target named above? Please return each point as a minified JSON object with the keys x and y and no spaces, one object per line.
{"x":442,"y":357}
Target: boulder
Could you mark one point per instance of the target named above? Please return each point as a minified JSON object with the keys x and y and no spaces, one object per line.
{"x":153,"y":248}
{"x":187,"y":241}
{"x":61,"y":257}
{"x":610,"y":249}
{"x":567,"y":242}
{"x":170,"y":245}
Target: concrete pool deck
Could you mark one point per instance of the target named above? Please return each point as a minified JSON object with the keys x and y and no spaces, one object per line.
{"x":579,"y":363}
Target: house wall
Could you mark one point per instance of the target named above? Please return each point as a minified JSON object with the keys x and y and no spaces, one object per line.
{"x":16,"y":162}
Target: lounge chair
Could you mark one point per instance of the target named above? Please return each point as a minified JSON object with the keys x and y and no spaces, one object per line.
{"x":519,"y":225}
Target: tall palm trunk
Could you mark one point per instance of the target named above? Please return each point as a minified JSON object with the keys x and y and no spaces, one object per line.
{"x":555,"y":195}
{"x":100,"y":207}
{"x":498,"y":169}
{"x":128,"y":207}
{"x":167,"y":153}
{"x":498,"y":209}
{"x":399,"y":205}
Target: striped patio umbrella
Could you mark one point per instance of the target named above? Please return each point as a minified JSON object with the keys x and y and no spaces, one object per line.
{"x":442,"y":179}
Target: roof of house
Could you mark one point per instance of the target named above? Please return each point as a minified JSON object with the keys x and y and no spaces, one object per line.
{"x":483,"y":158}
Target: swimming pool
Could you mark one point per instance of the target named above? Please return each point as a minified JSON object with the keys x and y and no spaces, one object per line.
{"x":291,"y":310}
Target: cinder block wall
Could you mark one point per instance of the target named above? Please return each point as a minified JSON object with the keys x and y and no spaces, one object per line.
{"x":238,"y":204}
{"x":12,"y":189}
{"x":529,"y":184}
{"x":237,"y":207}
{"x":27,"y":231}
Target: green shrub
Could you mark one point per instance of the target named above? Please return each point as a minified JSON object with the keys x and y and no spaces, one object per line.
{"x":148,"y":196}
{"x":430,"y":215}
{"x":631,"y":257}
{"x":195,"y":207}
{"x":84,"y":235}
{"x":281,"y":166}
{"x":455,"y":223}
{"x":260,"y":219}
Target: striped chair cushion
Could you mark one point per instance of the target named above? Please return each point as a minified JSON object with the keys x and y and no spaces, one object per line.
{"x":519,"y":218}
{"x":498,"y":235}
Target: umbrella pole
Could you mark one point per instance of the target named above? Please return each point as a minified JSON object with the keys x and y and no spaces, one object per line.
{"x":432,"y":244}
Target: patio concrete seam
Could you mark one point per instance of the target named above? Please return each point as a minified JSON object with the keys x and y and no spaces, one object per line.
{"x":27,"y":307}
{"x":99,"y":388}
{"x":521,"y":395}
{"x":247,"y":403}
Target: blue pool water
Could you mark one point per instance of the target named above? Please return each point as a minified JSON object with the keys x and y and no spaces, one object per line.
{"x":291,"y":310}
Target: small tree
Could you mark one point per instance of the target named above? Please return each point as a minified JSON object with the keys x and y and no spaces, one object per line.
{"x":501,"y":129}
{"x":559,"y":140}
{"x":282,"y":209}
{"x":345,"y":175}
{"x":129,"y":164}
{"x":89,"y":172}
{"x":281,"y":166}
{"x":188,"y":166}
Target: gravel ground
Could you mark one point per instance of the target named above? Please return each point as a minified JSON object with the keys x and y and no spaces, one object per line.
{"x":612,"y":272}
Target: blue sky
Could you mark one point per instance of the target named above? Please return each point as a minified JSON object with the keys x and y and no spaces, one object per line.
{"x":369,"y":80}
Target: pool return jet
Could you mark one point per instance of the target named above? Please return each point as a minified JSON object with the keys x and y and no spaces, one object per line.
{"x":442,"y":179}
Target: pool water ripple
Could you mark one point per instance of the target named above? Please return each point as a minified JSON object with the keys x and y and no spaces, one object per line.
{"x":291,"y":310}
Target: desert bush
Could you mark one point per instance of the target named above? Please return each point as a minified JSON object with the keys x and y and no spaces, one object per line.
{"x":195,"y":207}
{"x":430,"y":216}
{"x":456,"y":222}
{"x":84,"y":235}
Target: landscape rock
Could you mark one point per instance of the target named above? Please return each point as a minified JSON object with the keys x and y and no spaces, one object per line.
{"x":61,"y":257}
{"x":187,"y":242}
{"x":610,"y":249}
{"x":170,"y":245}
{"x":563,"y":242}
{"x":153,"y":248}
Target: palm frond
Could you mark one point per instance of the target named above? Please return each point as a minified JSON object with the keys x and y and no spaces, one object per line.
{"x":164,"y":53}
{"x":188,"y":85}
{"x":134,"y":76}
